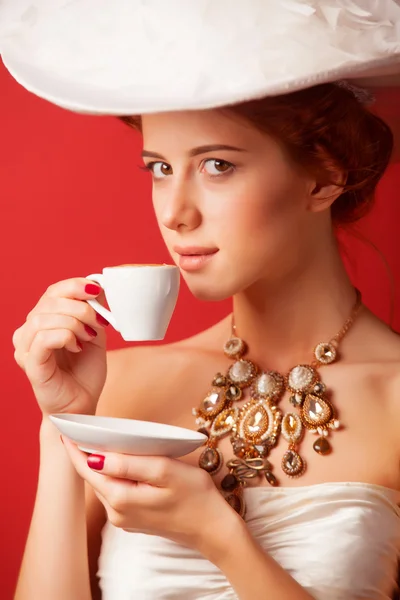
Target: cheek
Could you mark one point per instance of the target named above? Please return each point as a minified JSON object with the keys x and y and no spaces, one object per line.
{"x":266,"y":212}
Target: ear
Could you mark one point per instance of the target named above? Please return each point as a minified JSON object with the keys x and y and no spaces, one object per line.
{"x":326,"y":187}
{"x":322,"y":197}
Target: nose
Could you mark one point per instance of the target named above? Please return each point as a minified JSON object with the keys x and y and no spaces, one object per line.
{"x":178,"y":207}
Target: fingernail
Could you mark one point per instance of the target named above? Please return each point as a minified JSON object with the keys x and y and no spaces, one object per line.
{"x":93,"y":290}
{"x":79,"y":344}
{"x":90,"y":330}
{"x":61,"y":439}
{"x":102,"y":320}
{"x":96,"y":461}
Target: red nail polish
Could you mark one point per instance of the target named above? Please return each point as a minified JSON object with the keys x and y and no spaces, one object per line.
{"x":90,"y":331}
{"x":96,"y":461}
{"x":79,"y":344}
{"x":93,"y":290}
{"x":102,"y":320}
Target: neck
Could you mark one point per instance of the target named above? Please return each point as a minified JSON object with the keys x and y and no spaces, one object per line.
{"x":283,"y":321}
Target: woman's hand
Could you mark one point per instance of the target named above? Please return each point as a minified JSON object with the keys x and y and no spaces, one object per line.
{"x":61,"y":347}
{"x":159,"y":496}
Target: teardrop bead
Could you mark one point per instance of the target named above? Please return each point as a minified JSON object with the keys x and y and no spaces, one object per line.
{"x":229,"y":483}
{"x":237,"y":503}
{"x":270,"y":477}
{"x":322,"y":446}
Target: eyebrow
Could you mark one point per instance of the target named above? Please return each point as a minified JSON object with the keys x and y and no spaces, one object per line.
{"x":196,"y":151}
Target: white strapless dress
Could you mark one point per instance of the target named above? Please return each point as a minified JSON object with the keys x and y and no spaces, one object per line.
{"x":340,"y":541}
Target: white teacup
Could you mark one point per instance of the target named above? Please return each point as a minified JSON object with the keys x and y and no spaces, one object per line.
{"x":141,"y":298}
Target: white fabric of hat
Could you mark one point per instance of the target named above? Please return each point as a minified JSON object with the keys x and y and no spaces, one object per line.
{"x":138,"y":56}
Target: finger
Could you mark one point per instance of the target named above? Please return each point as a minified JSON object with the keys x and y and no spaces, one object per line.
{"x":158,"y":471}
{"x":78,"y":288}
{"x":40,"y":362}
{"x":44,"y":317}
{"x":67,"y":306}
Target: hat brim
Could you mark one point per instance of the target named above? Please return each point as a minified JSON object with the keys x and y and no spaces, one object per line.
{"x":65,"y":91}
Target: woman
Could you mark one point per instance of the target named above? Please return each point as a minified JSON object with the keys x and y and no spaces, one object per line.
{"x":248,"y":198}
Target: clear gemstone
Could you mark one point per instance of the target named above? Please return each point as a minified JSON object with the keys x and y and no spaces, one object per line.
{"x":255,"y":422}
{"x":211,"y":401}
{"x":291,"y":460}
{"x":300,"y":377}
{"x":315,"y":409}
{"x":224,"y":421}
{"x":291,"y":424}
{"x":292,"y":463}
{"x":325,"y":353}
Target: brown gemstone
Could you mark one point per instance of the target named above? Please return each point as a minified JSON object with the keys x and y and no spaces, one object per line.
{"x":229,"y":483}
{"x":204,"y":431}
{"x":270,"y":477}
{"x":210,"y":460}
{"x":322,"y":446}
{"x":236,"y":503}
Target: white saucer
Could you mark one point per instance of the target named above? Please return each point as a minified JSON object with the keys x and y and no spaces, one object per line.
{"x":127,"y":436}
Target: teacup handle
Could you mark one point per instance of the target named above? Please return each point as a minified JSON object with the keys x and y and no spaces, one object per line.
{"x":102,"y":310}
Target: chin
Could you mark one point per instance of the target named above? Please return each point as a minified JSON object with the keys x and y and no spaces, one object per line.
{"x":209,"y":289}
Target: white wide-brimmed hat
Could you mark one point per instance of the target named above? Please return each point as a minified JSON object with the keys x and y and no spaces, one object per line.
{"x":127,"y":57}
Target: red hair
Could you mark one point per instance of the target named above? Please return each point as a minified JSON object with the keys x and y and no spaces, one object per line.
{"x":327,"y":131}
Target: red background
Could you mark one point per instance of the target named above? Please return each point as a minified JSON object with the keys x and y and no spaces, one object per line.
{"x":73,"y":201}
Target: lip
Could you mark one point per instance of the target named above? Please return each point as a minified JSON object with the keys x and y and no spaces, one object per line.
{"x":194,"y":250}
{"x":194,"y":258}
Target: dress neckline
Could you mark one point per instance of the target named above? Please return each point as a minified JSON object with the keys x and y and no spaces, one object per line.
{"x":360,"y":484}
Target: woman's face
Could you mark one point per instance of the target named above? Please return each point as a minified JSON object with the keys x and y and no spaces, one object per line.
{"x":222,"y":187}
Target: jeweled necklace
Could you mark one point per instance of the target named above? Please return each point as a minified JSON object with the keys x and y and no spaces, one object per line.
{"x":256,"y":426}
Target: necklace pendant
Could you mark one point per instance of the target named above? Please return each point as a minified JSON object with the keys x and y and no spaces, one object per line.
{"x":316,"y":412}
{"x":256,"y":422}
{"x":291,"y":427}
{"x":293,"y":465}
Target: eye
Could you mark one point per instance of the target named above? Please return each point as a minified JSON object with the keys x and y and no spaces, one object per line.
{"x":216,"y":167}
{"x":159,"y":169}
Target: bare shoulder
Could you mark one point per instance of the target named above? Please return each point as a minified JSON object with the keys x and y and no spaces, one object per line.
{"x":378,"y":345}
{"x":141,"y":378}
